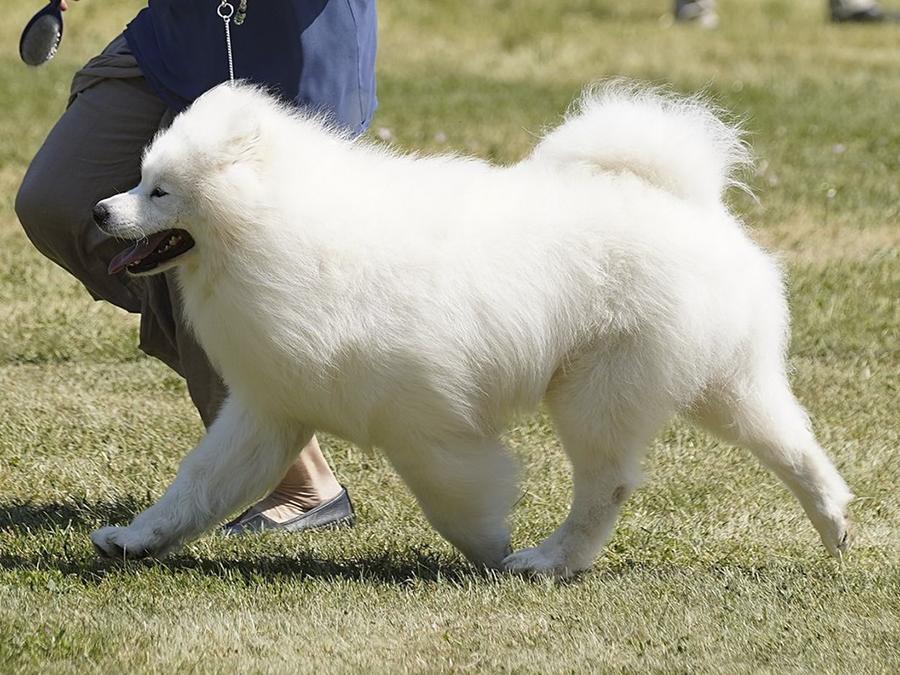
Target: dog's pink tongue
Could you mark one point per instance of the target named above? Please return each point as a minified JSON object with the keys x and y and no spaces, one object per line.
{"x":136,"y":253}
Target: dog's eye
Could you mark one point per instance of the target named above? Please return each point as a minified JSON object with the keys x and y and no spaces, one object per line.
{"x":158,"y":192}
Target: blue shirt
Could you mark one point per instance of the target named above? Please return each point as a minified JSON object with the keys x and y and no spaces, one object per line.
{"x":319,"y":53}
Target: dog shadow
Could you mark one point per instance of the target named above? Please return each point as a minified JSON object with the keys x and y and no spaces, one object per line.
{"x":396,"y":568}
{"x":400,"y":568}
{"x":26,"y":516}
{"x":384,"y":570}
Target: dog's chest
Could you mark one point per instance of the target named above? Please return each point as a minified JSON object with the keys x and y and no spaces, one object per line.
{"x":273,"y":356}
{"x":253,"y":351}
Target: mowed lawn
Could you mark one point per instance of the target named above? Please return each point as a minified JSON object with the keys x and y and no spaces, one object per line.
{"x":713,"y":566}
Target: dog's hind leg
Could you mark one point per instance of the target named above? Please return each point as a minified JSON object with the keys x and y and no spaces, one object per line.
{"x":605,"y":429}
{"x":241,"y":458}
{"x":466,"y":488}
{"x":757,"y":410}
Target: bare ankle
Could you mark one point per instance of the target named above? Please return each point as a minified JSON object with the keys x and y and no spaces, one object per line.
{"x":308,"y":483}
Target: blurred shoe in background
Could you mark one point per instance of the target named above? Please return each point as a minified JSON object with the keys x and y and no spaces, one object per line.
{"x":701,"y":12}
{"x":861,"y":11}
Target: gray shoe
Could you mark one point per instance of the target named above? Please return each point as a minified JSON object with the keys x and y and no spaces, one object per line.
{"x":336,"y":512}
{"x":841,"y":13}
{"x":701,"y":12}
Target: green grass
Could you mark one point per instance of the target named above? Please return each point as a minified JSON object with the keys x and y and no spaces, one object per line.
{"x":713,"y":566}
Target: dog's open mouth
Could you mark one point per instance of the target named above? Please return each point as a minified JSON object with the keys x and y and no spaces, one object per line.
{"x":148,"y":254}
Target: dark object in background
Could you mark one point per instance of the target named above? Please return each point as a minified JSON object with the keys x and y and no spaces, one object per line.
{"x":42,"y":35}
{"x":841,"y":13}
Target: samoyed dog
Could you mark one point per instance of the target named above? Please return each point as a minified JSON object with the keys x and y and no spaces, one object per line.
{"x":417,"y":304}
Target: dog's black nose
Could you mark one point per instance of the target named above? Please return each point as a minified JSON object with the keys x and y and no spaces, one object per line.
{"x":101,"y":213}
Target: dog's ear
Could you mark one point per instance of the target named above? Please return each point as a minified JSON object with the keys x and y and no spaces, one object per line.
{"x":244,"y":134}
{"x":230,"y":119}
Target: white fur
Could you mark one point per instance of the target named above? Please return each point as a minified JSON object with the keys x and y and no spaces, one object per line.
{"x":417,"y":304}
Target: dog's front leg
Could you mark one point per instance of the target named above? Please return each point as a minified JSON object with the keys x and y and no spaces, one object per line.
{"x":241,"y":458}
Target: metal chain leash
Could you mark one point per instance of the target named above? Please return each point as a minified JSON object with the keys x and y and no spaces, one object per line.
{"x":226,"y":11}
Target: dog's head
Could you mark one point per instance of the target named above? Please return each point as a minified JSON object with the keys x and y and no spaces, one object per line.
{"x":200,"y":179}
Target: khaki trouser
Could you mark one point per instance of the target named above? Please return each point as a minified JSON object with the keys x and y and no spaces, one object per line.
{"x":92,"y":153}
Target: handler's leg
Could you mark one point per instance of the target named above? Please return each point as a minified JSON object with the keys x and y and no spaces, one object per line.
{"x":239,"y":460}
{"x":93,"y":152}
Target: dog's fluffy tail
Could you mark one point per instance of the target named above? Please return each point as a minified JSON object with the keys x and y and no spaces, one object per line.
{"x":678,"y":144}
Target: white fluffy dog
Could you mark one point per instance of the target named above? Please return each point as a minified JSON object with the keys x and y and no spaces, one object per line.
{"x":417,"y":304}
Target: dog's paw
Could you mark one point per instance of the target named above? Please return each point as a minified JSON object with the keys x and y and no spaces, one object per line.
{"x":835,"y":530}
{"x":540,"y":562}
{"x":839,"y":538}
{"x":123,"y":543}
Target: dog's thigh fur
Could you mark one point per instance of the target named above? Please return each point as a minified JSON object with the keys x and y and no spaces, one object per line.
{"x":241,"y":458}
{"x":466,"y":487}
{"x":607,"y":407}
